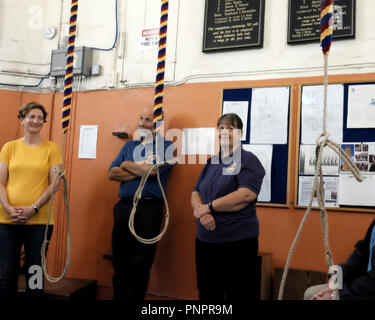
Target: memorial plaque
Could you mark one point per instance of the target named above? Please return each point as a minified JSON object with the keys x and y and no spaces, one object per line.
{"x":304,"y":20}
{"x":233,"y":24}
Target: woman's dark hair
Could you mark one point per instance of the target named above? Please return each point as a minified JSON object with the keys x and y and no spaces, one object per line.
{"x":232,"y":119}
{"x":27,"y":107}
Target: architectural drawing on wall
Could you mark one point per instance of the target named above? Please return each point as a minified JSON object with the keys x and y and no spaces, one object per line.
{"x":312,"y":111}
{"x":330,"y":161}
{"x":264,"y":154}
{"x":269,"y":115}
{"x":241,"y":109}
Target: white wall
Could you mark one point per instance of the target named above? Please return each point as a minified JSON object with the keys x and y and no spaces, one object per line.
{"x":25,"y":50}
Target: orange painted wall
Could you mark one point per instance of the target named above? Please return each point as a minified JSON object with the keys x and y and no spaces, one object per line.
{"x":92,"y":195}
{"x":9,"y":128}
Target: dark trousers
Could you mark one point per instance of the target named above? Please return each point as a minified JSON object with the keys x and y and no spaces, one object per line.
{"x":132,"y":260}
{"x":226,"y":271}
{"x":11,"y":239}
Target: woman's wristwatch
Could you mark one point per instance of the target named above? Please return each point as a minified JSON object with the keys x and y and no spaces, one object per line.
{"x":36,"y":210}
{"x":210,"y":207}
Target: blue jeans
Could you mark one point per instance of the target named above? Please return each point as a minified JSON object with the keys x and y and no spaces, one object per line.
{"x":11,"y":239}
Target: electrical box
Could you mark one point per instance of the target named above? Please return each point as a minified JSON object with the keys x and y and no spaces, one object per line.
{"x":82,"y":62}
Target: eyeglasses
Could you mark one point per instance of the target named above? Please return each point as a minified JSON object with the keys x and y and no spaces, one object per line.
{"x":32,"y":117}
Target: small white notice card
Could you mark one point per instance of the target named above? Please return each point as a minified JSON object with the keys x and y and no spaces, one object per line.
{"x":361,"y":106}
{"x":88,"y":137}
{"x":198,"y":140}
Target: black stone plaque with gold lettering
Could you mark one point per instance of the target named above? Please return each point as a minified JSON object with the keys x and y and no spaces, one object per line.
{"x":304,"y":20}
{"x":233,"y":24}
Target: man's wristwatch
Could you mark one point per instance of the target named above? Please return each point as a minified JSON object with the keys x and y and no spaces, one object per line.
{"x":36,"y":210}
{"x":210,"y":207}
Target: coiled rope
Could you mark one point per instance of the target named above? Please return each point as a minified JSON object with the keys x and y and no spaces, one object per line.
{"x":138,"y":196}
{"x":157,"y":121}
{"x":68,"y":83}
{"x":322,"y":141}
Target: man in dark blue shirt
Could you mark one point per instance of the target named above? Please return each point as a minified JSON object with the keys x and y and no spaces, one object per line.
{"x":132,"y":260}
{"x":358,"y":273}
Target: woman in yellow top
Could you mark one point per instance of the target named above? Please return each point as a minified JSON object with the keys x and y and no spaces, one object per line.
{"x":28,"y":167}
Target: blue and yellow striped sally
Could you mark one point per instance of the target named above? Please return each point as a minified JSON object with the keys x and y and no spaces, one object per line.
{"x":326,"y":22}
{"x":68,"y":82}
{"x":159,"y":81}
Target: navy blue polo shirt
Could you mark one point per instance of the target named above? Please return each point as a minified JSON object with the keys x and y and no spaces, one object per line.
{"x":133,"y":149}
{"x":213,"y":184}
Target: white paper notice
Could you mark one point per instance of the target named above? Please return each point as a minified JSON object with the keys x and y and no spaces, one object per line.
{"x":241,"y":109}
{"x":331,"y":188}
{"x":269,"y":115}
{"x":198,"y":141}
{"x":312,"y":113}
{"x":264,"y":154}
{"x":88,"y":137}
{"x":354,"y":193}
{"x":361,"y":106}
{"x":330,"y":161}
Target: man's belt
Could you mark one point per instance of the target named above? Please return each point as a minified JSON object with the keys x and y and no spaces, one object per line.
{"x":145,"y":199}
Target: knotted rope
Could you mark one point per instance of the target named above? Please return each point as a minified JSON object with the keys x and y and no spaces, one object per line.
{"x":68,"y":84}
{"x":60,"y":176}
{"x":157,"y":121}
{"x":322,"y":141}
{"x":138,"y":196}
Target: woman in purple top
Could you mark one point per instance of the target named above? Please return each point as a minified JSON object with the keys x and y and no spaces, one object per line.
{"x":223,"y":201}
